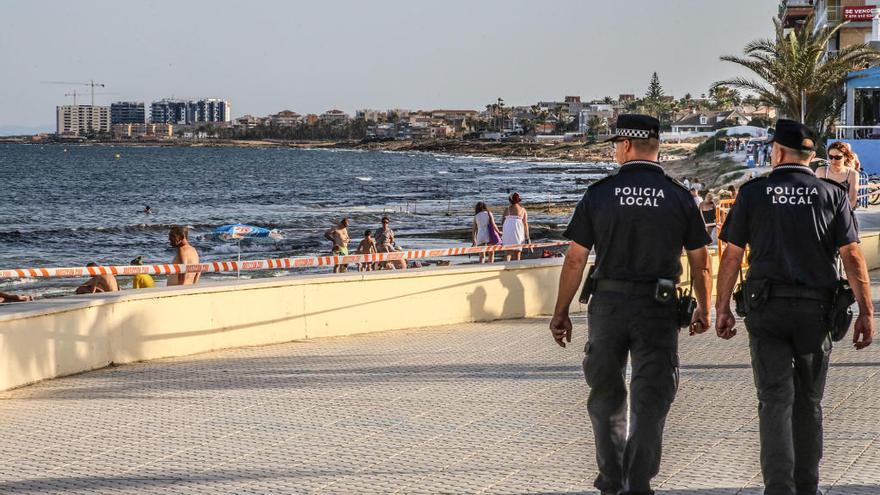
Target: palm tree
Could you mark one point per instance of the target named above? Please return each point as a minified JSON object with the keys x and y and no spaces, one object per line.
{"x":797,"y":76}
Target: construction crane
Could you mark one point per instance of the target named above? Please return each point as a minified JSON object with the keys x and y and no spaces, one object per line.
{"x":74,"y":94}
{"x":92,"y":84}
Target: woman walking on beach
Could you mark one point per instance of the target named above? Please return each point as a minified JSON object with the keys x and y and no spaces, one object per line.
{"x":484,"y":232}
{"x":841,"y":169}
{"x":516,"y":227}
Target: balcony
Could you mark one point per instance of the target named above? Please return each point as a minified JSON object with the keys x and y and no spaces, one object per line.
{"x":792,"y":12}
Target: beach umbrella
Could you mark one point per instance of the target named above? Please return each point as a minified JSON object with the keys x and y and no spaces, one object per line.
{"x":237,"y":232}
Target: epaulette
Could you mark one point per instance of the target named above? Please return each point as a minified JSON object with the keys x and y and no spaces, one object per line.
{"x":830,"y":181}
{"x":677,"y":182}
{"x":603,"y":179}
{"x":753,"y":181}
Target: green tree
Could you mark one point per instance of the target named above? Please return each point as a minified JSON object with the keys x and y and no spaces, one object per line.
{"x":794,"y":74}
{"x":655,"y":90}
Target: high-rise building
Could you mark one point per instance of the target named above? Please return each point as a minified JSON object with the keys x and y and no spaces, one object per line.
{"x":127,"y":112}
{"x":170,"y":112}
{"x":184,"y":112}
{"x":77,"y":120}
{"x":211,"y":110}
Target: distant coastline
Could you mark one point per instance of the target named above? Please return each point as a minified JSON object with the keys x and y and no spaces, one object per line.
{"x":678,"y":158}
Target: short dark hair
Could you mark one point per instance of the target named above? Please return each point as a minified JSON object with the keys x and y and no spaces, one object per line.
{"x":386,"y":220}
{"x":368,"y":233}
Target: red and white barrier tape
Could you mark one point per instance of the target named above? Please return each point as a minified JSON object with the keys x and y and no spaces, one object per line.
{"x":268,"y":264}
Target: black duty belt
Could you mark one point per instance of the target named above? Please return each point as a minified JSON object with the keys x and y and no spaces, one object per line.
{"x":627,"y":287}
{"x":800,"y":292}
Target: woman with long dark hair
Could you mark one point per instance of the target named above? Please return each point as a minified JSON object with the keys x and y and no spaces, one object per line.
{"x":484,"y":232}
{"x":515,"y":228}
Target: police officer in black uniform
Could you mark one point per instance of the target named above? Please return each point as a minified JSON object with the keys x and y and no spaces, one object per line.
{"x":795,"y":224}
{"x":637,"y":220}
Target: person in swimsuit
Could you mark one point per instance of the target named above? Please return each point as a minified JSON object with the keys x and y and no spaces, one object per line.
{"x":366,"y":246}
{"x":185,"y":254}
{"x":482,"y":229}
{"x":338,"y":235}
{"x":841,"y":169}
{"x":98,"y":283}
{"x":10,"y":298}
{"x":515,"y":228}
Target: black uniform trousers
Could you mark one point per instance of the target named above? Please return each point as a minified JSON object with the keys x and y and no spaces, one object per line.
{"x":790,"y":348}
{"x":621,"y":326}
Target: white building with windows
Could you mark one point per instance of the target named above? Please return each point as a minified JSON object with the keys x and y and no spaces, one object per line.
{"x":78,"y":120}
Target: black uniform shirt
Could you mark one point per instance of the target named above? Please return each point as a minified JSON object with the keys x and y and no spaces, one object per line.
{"x":794,"y":224}
{"x":638,"y":220}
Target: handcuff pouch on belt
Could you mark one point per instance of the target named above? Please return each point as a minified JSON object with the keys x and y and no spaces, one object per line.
{"x":750,"y":295}
{"x":840,"y":315}
{"x":685,"y":304}
{"x":589,"y":286}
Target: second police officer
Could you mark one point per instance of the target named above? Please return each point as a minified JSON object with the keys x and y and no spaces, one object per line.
{"x":637,"y":221}
{"x":795,"y":225}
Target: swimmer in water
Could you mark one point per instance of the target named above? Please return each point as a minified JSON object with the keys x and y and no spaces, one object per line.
{"x":148,"y":210}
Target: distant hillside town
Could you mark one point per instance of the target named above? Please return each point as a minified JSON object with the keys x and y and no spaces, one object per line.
{"x":567,"y":119}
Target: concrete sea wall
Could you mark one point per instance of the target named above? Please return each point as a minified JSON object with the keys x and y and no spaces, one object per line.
{"x":52,"y":338}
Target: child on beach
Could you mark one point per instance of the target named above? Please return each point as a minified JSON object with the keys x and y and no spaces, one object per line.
{"x":367,"y":246}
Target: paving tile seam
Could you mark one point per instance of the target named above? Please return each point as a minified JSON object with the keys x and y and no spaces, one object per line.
{"x":581,"y":403}
{"x":450,"y":360}
{"x":180,"y":429}
{"x":211,"y":418}
{"x":868,"y":446}
{"x":489,"y":414}
{"x":480,"y":449}
{"x":725,"y":437}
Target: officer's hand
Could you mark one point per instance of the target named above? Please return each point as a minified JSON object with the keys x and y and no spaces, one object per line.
{"x":724,"y":322}
{"x":699,"y":322}
{"x":560,"y":327}
{"x":863,"y":334}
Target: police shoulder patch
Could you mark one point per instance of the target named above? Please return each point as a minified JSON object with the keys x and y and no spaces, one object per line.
{"x":835,"y":183}
{"x":677,"y":182}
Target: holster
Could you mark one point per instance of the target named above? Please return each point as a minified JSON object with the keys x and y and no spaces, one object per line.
{"x":840,"y":315}
{"x":751,"y":295}
{"x":687,"y":304}
{"x":589,"y":286}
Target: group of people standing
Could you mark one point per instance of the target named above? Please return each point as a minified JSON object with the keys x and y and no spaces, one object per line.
{"x":514,"y":229}
{"x":383,"y":242}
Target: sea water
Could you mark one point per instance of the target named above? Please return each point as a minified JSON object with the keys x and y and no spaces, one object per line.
{"x":67,"y":205}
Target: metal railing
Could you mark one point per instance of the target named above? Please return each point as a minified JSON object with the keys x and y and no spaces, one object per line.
{"x":857,"y":131}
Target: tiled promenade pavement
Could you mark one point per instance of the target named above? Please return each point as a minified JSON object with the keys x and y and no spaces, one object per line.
{"x":476,"y":408}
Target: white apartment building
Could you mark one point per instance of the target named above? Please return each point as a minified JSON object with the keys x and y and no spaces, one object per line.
{"x":76,"y":120}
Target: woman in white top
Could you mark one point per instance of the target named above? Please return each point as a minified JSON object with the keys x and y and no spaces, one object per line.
{"x":841,"y":169}
{"x":515,"y":228}
{"x":483,"y":229}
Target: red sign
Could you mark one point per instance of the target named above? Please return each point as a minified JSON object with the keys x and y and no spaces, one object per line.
{"x":859,"y":13}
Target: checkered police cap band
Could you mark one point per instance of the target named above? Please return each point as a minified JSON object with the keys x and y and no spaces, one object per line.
{"x":633,"y":133}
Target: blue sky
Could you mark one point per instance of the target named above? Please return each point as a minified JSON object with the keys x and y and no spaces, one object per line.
{"x":312,"y":56}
